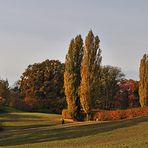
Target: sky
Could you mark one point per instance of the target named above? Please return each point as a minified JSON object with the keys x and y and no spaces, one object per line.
{"x":32,"y":31}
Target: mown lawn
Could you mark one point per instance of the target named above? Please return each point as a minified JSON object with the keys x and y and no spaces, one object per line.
{"x":38,"y":130}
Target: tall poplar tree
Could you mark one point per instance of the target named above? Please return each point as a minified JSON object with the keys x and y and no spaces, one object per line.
{"x":90,"y":72}
{"x":143,"y":84}
{"x":72,"y":76}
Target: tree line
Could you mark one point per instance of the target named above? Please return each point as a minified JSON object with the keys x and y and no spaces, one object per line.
{"x":81,"y":84}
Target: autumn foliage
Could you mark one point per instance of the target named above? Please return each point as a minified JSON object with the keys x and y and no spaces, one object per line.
{"x":41,"y":86}
{"x":72,"y":76}
{"x":143,"y":84}
{"x":65,"y":114}
{"x":90,"y":71}
{"x":120,"y":114}
{"x":127,"y":96}
{"x":82,"y":83}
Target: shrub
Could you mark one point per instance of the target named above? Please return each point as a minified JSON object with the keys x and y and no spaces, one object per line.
{"x":65,"y":114}
{"x":145,"y":111}
{"x":129,"y":113}
{"x":99,"y":116}
{"x":103,"y":116}
{"x":120,"y":114}
{"x":116,"y":115}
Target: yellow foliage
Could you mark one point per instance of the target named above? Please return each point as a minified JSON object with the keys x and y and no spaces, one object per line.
{"x":143,"y":84}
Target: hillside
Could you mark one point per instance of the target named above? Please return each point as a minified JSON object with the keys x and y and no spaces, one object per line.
{"x":24,"y":129}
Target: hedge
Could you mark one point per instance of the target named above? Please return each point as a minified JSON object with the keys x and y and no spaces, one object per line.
{"x":120,"y":114}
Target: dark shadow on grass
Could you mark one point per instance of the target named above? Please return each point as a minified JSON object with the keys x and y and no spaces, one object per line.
{"x":43,"y":134}
{"x":26,"y":120}
{"x":18,"y":116}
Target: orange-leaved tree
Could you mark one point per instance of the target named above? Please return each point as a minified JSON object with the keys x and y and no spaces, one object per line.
{"x":143,"y":84}
{"x":90,"y":72}
{"x":72,"y":76}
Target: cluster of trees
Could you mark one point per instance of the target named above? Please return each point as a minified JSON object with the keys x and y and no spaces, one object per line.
{"x":89,"y":85}
{"x":41,"y":86}
{"x":82,"y":74}
{"x":82,"y":83}
{"x":39,"y":89}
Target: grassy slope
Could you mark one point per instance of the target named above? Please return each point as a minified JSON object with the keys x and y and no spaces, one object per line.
{"x":38,"y":130}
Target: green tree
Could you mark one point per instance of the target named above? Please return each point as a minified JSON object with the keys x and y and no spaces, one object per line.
{"x":41,"y":85}
{"x":143,"y":84}
{"x":15,"y":100}
{"x":72,"y":76}
{"x":90,"y":72}
{"x":110,"y":80}
{"x":4,"y":92}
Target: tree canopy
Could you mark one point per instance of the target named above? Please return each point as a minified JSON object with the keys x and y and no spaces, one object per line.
{"x":41,"y":84}
{"x":109,"y":86}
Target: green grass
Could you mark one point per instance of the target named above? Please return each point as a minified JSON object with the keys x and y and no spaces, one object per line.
{"x":38,"y":130}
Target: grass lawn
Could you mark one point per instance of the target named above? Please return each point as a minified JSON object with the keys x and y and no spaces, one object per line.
{"x":38,"y":130}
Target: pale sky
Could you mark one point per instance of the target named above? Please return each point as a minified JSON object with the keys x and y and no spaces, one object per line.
{"x":35,"y":30}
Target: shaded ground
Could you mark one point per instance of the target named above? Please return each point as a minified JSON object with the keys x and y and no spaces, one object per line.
{"x":44,"y":130}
